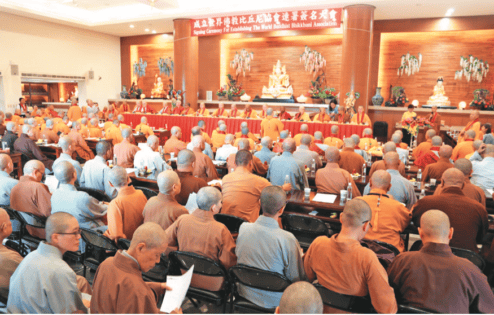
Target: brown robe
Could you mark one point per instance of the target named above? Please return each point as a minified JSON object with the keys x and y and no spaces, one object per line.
{"x":125,"y":152}
{"x":259,"y":167}
{"x":80,"y":146}
{"x":118,"y":288}
{"x":49,"y":135}
{"x":379,"y":165}
{"x":331,"y":179}
{"x":470,"y":190}
{"x":350,"y":161}
{"x":190,"y":184}
{"x":436,"y":170}
{"x":204,"y":167}
{"x":26,"y":146}
{"x":174,"y":145}
{"x":163,"y":210}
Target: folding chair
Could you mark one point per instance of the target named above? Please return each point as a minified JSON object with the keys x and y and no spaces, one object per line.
{"x":407,"y":309}
{"x":305,"y":228}
{"x":158,"y":273}
{"x":100,"y":246}
{"x":32,"y":220}
{"x":232,"y":222}
{"x":147,"y":192}
{"x":343,"y":302}
{"x":95,"y":193}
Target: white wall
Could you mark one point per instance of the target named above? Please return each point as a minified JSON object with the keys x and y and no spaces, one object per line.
{"x":48,"y":48}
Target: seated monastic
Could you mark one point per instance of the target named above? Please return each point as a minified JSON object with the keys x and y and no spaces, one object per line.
{"x":436,"y":170}
{"x":265,"y":154}
{"x":271,"y":126}
{"x":332,"y":179}
{"x":95,"y":173}
{"x":141,"y":107}
{"x":470,"y":227}
{"x":367,"y":142}
{"x":476,"y":146}
{"x":124,"y":108}
{"x":178,"y":108}
{"x":304,"y":154}
{"x":200,"y":233}
{"x":227,"y":149}
{"x":118,"y":286}
{"x":263,"y":244}
{"x":436,"y":280}
{"x":164,"y":209}
{"x":483,"y":172}
{"x":234,"y":112}
{"x":221,"y":111}
{"x":318,"y":146}
{"x":66,"y":145}
{"x":166,"y":109}
{"x":203,"y":111}
{"x":10,"y":135}
{"x":300,"y":298}
{"x":61,"y":126}
{"x":125,"y":150}
{"x":321,"y":117}
{"x":6,"y":182}
{"x":263,"y":112}
{"x":465,"y":147}
{"x":351,"y":161}
{"x":304,"y":130}
{"x":144,"y":128}
{"x":94,"y":130}
{"x":242,"y":189}
{"x":301,"y":115}
{"x":342,"y":265}
{"x":286,"y":165}
{"x":401,"y":144}
{"x":188,"y":111}
{"x":202,"y":124}
{"x":424,"y":146}
{"x":48,"y":134}
{"x":389,"y":216}
{"x":9,"y":258}
{"x":361,"y":117}
{"x":25,"y":145}
{"x":249,"y":112}
{"x":250,"y":135}
{"x":278,"y":146}
{"x":84,"y":131}
{"x":470,"y":190}
{"x":207,"y":147}
{"x":203,"y":167}
{"x":244,"y":134}
{"x":403,"y":153}
{"x":79,"y":144}
{"x":108,"y":123}
{"x":114,"y":133}
{"x":43,"y":282}
{"x":333,"y":140}
{"x":125,"y":211}
{"x":380,"y":165}
{"x":189,"y":183}
{"x":283,"y":114}
{"x":258,"y":166}
{"x":358,"y":150}
{"x":174,"y":144}
{"x":402,"y":189}
{"x":150,"y":158}
{"x":218,"y":138}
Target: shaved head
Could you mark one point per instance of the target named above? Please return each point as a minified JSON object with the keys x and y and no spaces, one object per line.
{"x":58,"y":222}
{"x":245,"y":131}
{"x":318,"y":135}
{"x":64,"y":172}
{"x":396,"y":138}
{"x":102,"y":147}
{"x":223,"y":127}
{"x":153,"y":141}
{"x":151,"y":234}
{"x":289,"y":145}
{"x":243,"y":144}
{"x":273,"y":199}
{"x":476,"y":144}
{"x":243,"y":158}
{"x":355,"y":213}
{"x":446,"y":151}
{"x":430,"y":133}
{"x":453,"y":177}
{"x":197,"y":141}
{"x":126,"y":133}
{"x":437,"y":141}
{"x":392,"y":160}
{"x":284,"y":134}
{"x":5,"y":161}
{"x":368,"y":131}
{"x":144,"y":120}
{"x":175,"y":130}
{"x":301,"y":298}
{"x":464,"y":165}
{"x":269,"y":112}
{"x":229,"y":138}
{"x":349,"y":143}
{"x":266,"y":141}
{"x":470,"y":134}
{"x":356,"y":139}
{"x":185,"y":158}
{"x":118,"y":176}
{"x":304,"y":127}
{"x":65,"y":142}
{"x":306,"y":140}
{"x":208,"y":197}
{"x":166,"y":180}
{"x":381,"y":180}
{"x":32,"y":165}
{"x":244,"y":124}
{"x":332,"y":155}
{"x":489,"y":150}
{"x":389,"y":147}
{"x":335,"y":130}
{"x":435,"y":224}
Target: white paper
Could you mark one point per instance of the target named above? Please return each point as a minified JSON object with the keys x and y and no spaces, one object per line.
{"x":142,"y":145}
{"x":326,"y":198}
{"x":191,"y":203}
{"x":490,"y":191}
{"x":51,"y":182}
{"x":179,"y":284}
{"x":215,"y":181}
{"x":219,"y":163}
{"x":131,"y":170}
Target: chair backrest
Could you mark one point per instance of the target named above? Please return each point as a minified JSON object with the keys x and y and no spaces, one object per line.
{"x":259,"y":279}
{"x":475,"y":258}
{"x":147,"y":192}
{"x":11,"y":212}
{"x":123,"y":243}
{"x":30,"y":219}
{"x":96,"y":240}
{"x":407,"y":309}
{"x":202,"y":265}
{"x":380,"y":130}
{"x":96,"y":194}
{"x":350,"y":303}
{"x":232,"y":222}
{"x":304,"y":228}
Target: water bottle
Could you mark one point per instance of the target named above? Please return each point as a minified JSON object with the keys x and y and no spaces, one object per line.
{"x":366,"y":146}
{"x":364,"y":171}
{"x":278,"y":139}
{"x":290,"y":134}
{"x":313,"y":168}
{"x":166,"y":126}
{"x":344,"y":137}
{"x":349,"y":190}
{"x":422,"y":194}
{"x":287,"y":181}
{"x":419,"y":175}
{"x":114,"y":160}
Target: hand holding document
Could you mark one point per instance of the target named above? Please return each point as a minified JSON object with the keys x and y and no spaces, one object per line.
{"x":179,"y":284}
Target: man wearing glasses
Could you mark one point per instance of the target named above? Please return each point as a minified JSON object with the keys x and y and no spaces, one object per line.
{"x":43,"y":282}
{"x":342,"y":265}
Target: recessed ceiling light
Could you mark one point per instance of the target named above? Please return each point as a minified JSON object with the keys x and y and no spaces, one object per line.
{"x":131,"y":25}
{"x":146,"y":30}
{"x":450,"y":12}
{"x":154,"y":32}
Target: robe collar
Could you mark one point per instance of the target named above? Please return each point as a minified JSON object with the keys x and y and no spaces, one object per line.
{"x":48,"y":250}
{"x":437,"y":249}
{"x":368,"y":136}
{"x":126,"y":263}
{"x":471,"y":124}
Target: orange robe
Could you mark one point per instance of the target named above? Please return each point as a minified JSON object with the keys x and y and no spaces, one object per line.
{"x":271,"y":127}
{"x":74,"y":113}
{"x":251,"y":114}
{"x":125,"y":152}
{"x":299,"y":136}
{"x":331,"y":179}
{"x":80,"y":146}
{"x":204,"y":167}
{"x":351,"y":161}
{"x":361,"y":119}
{"x":174,"y":145}
{"x":221,"y":113}
{"x":163,"y":210}
{"x":145,"y":129}
{"x":334,"y":142}
{"x":463,"y":149}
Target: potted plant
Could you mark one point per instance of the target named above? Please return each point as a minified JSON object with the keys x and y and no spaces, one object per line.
{"x":221,"y":93}
{"x":315,"y":89}
{"x":327,"y":94}
{"x":234,"y":90}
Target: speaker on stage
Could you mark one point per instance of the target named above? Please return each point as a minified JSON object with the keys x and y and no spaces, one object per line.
{"x":381,"y":131}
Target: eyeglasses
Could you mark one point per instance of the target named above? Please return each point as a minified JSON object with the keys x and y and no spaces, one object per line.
{"x":370,"y":224}
{"x":78,"y":232}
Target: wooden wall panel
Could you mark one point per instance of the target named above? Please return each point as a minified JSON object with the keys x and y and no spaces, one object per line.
{"x":267,"y":51}
{"x":151,"y":54}
{"x":209,"y":65}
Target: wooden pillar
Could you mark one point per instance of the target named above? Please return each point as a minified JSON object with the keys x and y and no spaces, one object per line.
{"x":358,"y":23}
{"x":186,"y":58}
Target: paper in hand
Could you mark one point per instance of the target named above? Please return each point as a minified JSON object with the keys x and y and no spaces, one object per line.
{"x":179,"y":284}
{"x":191,"y":203}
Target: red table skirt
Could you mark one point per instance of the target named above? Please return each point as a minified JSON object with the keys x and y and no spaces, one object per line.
{"x":233,"y":125}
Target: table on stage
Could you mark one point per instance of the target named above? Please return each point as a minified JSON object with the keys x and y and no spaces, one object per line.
{"x":187,"y":122}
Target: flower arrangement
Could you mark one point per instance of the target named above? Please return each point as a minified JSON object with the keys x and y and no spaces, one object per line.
{"x":472,"y":68}
{"x":234,"y":89}
{"x":327,"y":93}
{"x":410,"y":64}
{"x":166,"y":66}
{"x":241,"y":62}
{"x":401,"y":100}
{"x":316,"y":86}
{"x":313,"y":61}
{"x":412,"y":125}
{"x":221,"y":91}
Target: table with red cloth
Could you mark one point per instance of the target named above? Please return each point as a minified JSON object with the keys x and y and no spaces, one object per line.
{"x":186,"y":123}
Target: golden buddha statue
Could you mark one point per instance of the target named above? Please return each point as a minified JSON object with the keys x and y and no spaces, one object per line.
{"x":438,"y":97}
{"x":158,"y":91}
{"x":279,"y":84}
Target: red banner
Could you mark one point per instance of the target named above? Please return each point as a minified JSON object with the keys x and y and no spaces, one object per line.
{"x":265,"y":22}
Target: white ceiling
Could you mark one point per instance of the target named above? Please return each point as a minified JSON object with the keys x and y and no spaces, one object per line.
{"x":115,"y":16}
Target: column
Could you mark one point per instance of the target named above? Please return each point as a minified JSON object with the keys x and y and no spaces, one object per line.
{"x":358,"y":23}
{"x":186,"y":59}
